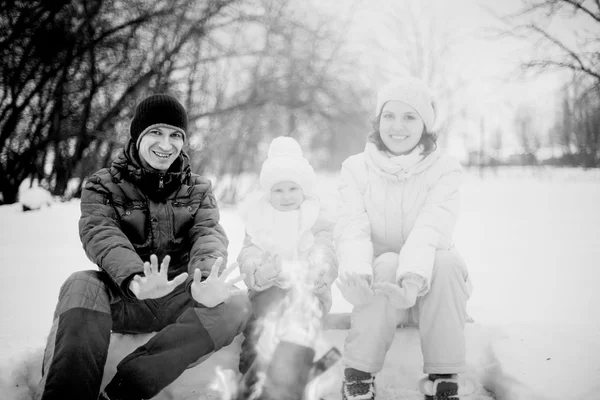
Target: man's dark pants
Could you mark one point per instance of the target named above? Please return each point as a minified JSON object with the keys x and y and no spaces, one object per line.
{"x":91,"y":306}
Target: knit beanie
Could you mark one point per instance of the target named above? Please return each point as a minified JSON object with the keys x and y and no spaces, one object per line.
{"x":285,"y":162}
{"x":155,"y":111}
{"x":411,"y":91}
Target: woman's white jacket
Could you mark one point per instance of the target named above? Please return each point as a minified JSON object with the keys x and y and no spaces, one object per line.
{"x":409,"y":210}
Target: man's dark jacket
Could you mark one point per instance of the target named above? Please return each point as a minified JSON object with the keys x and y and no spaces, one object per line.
{"x":129,"y":213}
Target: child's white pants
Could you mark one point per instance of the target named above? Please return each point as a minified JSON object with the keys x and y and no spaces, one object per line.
{"x":440,"y":314}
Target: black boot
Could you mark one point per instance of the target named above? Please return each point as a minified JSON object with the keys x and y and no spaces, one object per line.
{"x":358,"y":385}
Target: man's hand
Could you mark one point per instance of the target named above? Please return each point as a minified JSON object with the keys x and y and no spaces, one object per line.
{"x":154,"y":283}
{"x":215,"y":289}
{"x":355,"y":289}
{"x":404,"y":296}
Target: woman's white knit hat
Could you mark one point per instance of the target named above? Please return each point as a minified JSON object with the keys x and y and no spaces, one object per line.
{"x":411,"y":91}
{"x":285,"y":162}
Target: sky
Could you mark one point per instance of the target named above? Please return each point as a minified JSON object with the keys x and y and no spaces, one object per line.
{"x":486,"y":63}
{"x":471,"y":22}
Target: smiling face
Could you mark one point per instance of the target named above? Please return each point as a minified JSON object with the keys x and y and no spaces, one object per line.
{"x":400,"y":127}
{"x":286,"y":196}
{"x":160,"y":147}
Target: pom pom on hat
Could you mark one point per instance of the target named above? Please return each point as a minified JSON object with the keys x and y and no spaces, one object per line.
{"x":284,"y":146}
{"x":157,"y":110}
{"x":285,"y":162}
{"x":411,"y":91}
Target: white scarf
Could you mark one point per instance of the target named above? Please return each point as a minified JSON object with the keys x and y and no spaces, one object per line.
{"x":285,"y":230}
{"x":288,"y":233}
{"x":397,"y":167}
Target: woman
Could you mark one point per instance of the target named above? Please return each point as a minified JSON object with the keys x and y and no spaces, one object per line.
{"x":399,"y":203}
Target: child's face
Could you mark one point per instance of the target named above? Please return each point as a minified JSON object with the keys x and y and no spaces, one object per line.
{"x":286,"y":196}
{"x":160,"y":147}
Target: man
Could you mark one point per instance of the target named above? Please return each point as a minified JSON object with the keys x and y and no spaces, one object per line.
{"x":146,"y":207}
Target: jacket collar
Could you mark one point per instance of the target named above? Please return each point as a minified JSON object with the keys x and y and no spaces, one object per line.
{"x":154,"y":184}
{"x":258,"y":214}
{"x":398,"y":168}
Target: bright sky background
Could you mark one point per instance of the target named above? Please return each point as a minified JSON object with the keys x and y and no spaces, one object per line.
{"x":488,"y":63}
{"x":468,"y":20}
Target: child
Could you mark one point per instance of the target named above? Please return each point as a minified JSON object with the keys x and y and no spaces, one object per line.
{"x":288,"y":237}
{"x":398,"y":206}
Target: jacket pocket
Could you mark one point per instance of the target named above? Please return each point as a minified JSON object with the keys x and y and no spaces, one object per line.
{"x":134,"y":222}
{"x":184,"y":212}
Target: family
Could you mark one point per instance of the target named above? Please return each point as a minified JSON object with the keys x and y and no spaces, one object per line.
{"x":152,"y":227}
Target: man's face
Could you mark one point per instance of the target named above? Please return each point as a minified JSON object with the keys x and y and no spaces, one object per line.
{"x":160,"y":147}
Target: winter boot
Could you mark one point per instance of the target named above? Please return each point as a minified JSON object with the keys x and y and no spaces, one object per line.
{"x":358,"y":385}
{"x":445,"y":387}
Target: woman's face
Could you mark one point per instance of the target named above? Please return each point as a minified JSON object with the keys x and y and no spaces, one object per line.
{"x":160,"y":147}
{"x":286,"y":196}
{"x":400,"y":127}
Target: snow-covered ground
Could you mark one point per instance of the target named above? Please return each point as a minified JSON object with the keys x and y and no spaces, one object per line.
{"x":532,"y":243}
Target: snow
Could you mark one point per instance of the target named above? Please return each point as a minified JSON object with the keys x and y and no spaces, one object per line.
{"x":33,"y":196}
{"x":531,"y":242}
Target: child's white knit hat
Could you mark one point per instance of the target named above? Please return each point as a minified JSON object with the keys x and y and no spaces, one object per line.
{"x":285,"y":162}
{"x":411,"y":91}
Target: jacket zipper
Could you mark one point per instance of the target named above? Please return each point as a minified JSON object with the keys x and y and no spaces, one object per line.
{"x":161,"y":183}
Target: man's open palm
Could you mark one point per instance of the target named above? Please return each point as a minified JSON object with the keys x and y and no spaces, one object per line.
{"x":215,"y":289}
{"x":155,"y":283}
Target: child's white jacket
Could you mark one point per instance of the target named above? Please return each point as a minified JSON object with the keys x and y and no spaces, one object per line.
{"x":409,"y":211}
{"x":313,"y":242}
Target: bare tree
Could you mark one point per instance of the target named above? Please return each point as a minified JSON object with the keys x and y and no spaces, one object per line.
{"x":577,"y":126}
{"x":497,"y":143}
{"x":416,"y":36}
{"x":291,"y":76}
{"x":71,"y":70}
{"x":565,"y":37}
{"x":526,"y":131}
{"x":247,"y":70}
{"x":564,"y":33}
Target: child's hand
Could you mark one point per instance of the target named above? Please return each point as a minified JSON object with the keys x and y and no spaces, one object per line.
{"x":269,"y":268}
{"x":314,"y":274}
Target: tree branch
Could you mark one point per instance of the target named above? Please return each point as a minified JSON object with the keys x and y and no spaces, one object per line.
{"x":560,"y":64}
{"x":579,"y":6}
{"x":580,"y":64}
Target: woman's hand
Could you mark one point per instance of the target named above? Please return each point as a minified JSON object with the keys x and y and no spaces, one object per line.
{"x":355,"y":289}
{"x":404,"y":296}
{"x":215,"y":289}
{"x":154,"y":283}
